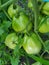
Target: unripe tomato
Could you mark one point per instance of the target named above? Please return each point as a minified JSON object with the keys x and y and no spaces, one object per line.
{"x":11,"y":41}
{"x":30,"y":5}
{"x":45,"y":8}
{"x":44,"y":26}
{"x":13,"y":11}
{"x":31,"y":44}
{"x":19,"y":24}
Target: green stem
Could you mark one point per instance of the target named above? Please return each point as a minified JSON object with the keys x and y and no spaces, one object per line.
{"x":6,"y":4}
{"x":41,"y":60}
{"x":6,"y":14}
{"x":40,"y":38}
{"x":41,"y":6}
{"x":27,"y":60}
{"x":36,"y":22}
{"x":36,"y":14}
{"x":43,"y":53}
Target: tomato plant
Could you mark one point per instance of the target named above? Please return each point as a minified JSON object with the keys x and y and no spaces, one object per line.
{"x":24,"y":32}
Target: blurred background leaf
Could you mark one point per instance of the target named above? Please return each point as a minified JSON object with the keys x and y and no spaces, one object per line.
{"x":37,"y":63}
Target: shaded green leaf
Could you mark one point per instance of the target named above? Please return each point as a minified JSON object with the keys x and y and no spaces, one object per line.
{"x":41,"y":60}
{"x":6,"y":24}
{"x":37,"y":63}
{"x":47,"y":45}
{"x":1,"y":31}
{"x":14,"y":61}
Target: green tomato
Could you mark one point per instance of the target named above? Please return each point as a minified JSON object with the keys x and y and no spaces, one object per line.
{"x":30,"y":5}
{"x":45,"y":8}
{"x":31,"y":44}
{"x":13,"y":11}
{"x":19,"y":24}
{"x":44,"y":26}
{"x":11,"y":40}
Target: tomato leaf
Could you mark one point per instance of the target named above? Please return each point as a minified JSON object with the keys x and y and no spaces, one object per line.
{"x":1,"y":31}
{"x":14,"y":61}
{"x":3,"y":1}
{"x":37,"y":63}
{"x":47,"y":46}
{"x":0,"y":62}
{"x":6,"y":24}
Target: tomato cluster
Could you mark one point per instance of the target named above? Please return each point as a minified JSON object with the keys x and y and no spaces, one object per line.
{"x":24,"y":32}
{"x":22,"y":24}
